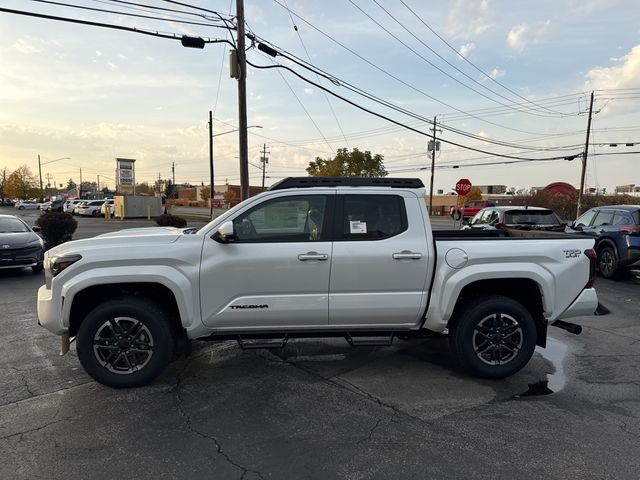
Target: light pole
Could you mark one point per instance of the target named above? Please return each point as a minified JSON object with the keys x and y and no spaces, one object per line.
{"x":211,"y":137}
{"x":40,"y":172}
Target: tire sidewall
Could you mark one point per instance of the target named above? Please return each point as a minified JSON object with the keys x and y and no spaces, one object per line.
{"x":151,"y":317}
{"x":469,"y":318}
{"x":614,"y":254}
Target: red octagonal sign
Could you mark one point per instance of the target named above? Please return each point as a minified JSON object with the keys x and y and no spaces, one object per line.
{"x":463,"y":187}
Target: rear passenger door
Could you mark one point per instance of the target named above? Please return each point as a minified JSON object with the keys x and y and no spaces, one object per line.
{"x":379,"y":262}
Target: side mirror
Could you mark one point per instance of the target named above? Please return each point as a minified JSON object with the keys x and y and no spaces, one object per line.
{"x":35,"y":228}
{"x":225,"y":233}
{"x":578,"y":228}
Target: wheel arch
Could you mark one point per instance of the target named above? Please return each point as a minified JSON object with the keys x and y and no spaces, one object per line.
{"x":90,"y":297}
{"x":522,"y":290}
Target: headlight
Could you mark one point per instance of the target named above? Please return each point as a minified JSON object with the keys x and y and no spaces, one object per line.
{"x":58,"y":264}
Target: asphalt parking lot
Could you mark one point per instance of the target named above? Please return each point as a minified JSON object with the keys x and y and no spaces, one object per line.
{"x":320,"y":409}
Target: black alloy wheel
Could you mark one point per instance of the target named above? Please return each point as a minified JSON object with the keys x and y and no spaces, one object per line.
{"x":608,"y":262}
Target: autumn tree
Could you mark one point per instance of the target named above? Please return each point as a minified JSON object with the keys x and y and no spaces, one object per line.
{"x":229,"y":197}
{"x":3,"y":182}
{"x":71,"y":185}
{"x":21,"y":184}
{"x":474,"y":194}
{"x":204,"y":193}
{"x":348,"y":164}
{"x":144,"y":188}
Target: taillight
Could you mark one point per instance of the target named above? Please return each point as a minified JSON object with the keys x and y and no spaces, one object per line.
{"x":630,"y":230}
{"x":593,"y":258}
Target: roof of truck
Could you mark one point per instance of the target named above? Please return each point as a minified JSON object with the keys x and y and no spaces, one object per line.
{"x":308,"y":182}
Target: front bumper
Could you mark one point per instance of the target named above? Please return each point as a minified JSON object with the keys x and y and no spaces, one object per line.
{"x":50,"y":312}
{"x":585,"y":304}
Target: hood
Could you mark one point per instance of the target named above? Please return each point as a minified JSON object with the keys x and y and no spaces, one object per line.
{"x":17,"y":239}
{"x":128,"y":238}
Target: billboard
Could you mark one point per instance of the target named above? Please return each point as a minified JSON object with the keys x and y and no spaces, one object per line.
{"x":125,"y":174}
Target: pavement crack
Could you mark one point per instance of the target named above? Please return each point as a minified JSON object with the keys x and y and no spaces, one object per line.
{"x":188,"y":422}
{"x":37,"y":429}
{"x":35,"y":397}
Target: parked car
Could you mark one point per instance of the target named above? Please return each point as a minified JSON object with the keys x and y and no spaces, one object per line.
{"x":81,"y":204}
{"x":20,"y":246}
{"x":110,"y":204}
{"x":471,"y":208}
{"x":6,"y":202}
{"x":26,"y":204}
{"x":70,"y":205}
{"x":616,"y":229}
{"x":348,"y":257}
{"x":91,"y":208}
{"x":53,"y":206}
{"x":519,"y":218}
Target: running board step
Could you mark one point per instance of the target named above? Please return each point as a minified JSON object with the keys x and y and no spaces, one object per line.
{"x":369,"y":341}
{"x":255,"y":343}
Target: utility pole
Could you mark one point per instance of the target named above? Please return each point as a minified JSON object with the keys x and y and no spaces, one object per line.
{"x":584,"y":158}
{"x":264,"y":160}
{"x":80,"y":186}
{"x":98,"y":184}
{"x":242,"y":102}
{"x":434,"y":147}
{"x":173,"y":172}
{"x":159,"y":192}
{"x":211,"y":189}
{"x":40,"y":173}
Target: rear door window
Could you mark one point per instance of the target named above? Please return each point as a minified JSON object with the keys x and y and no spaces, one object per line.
{"x":604,"y":217}
{"x":371,"y":217}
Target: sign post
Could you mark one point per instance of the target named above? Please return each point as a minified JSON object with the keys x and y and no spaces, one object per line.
{"x":463,"y":187}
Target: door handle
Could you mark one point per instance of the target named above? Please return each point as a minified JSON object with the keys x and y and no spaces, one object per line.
{"x":304,"y":257}
{"x":407,"y":255}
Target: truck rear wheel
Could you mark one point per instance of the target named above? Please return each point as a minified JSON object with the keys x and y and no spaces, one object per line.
{"x":125,"y":342}
{"x":493,"y":336}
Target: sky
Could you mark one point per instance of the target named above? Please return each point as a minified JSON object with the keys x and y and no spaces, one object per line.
{"x":503,"y":77}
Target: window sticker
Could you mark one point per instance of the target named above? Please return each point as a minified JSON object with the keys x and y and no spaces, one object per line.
{"x":356,"y":226}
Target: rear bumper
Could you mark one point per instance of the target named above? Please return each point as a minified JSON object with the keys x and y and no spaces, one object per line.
{"x":585,"y":304}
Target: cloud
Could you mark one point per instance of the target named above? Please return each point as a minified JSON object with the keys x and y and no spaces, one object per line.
{"x":25,"y":47}
{"x":254,"y":14}
{"x":522,"y":35}
{"x":496,"y":73}
{"x":466,"y":49}
{"x":626,"y":74}
{"x":469,"y":17}
{"x":590,"y":6}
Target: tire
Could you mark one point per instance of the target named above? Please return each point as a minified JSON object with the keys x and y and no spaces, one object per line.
{"x":20,"y":207}
{"x":493,"y":336}
{"x":94,"y":213}
{"x":37,"y":268}
{"x":608,"y":262}
{"x":111,"y":331}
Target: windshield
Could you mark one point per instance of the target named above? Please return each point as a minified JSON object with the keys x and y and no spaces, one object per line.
{"x":531,"y":217}
{"x":12,"y":225}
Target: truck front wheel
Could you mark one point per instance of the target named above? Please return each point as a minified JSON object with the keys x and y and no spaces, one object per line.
{"x":493,"y":336}
{"x":125,"y":342}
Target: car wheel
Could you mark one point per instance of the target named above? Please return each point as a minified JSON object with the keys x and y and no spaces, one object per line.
{"x":608,"y":262}
{"x":493,"y":336}
{"x":94,"y":213}
{"x":37,"y":268}
{"x":21,"y":207}
{"x":125,"y":343}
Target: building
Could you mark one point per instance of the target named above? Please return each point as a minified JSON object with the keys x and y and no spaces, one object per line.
{"x":492,"y":189}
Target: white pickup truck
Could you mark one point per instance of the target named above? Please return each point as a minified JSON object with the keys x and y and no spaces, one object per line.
{"x":312,"y":257}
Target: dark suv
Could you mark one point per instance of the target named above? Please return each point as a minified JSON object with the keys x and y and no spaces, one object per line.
{"x":616,"y":229}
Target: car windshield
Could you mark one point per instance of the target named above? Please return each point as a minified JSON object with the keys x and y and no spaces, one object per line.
{"x":12,"y":225}
{"x":531,"y":217}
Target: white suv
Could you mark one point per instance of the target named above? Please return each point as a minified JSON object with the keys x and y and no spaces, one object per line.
{"x":92,"y":208}
{"x":70,"y":205}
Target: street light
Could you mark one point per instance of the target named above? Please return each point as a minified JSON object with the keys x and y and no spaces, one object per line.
{"x":40,"y":172}
{"x":211,"y":137}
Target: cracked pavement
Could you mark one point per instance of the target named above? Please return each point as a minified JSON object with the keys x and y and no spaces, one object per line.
{"x":318,"y":409}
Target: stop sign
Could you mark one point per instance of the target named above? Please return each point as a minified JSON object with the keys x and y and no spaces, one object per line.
{"x":463,"y":187}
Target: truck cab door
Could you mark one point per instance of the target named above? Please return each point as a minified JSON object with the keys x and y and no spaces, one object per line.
{"x":379,"y":267}
{"x":275,"y":273}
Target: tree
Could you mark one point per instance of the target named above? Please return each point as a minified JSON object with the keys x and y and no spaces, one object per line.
{"x":3,"y":182}
{"x":21,"y":184}
{"x":144,"y":188}
{"x":474,"y":194}
{"x":170,"y":190}
{"x":345,"y":164}
{"x":229,"y":197}
{"x":204,"y":193}
{"x":71,"y":185}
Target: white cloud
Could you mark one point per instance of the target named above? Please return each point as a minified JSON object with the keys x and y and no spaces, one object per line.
{"x":254,"y":14}
{"x":496,"y":73}
{"x":98,"y":53}
{"x":624,"y":75}
{"x":466,"y":49}
{"x":470,"y":17}
{"x":522,"y":35}
{"x":516,"y":38}
{"x":589,"y":6}
{"x":25,"y":47}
